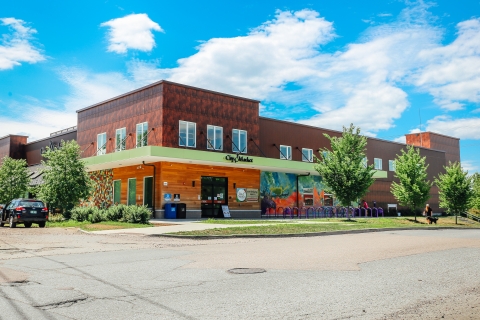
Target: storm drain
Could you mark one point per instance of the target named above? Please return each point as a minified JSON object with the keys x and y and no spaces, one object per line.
{"x":246,"y":270}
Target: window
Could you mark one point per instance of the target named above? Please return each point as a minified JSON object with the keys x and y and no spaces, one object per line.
{"x":391,"y":165}
{"x":239,"y":138}
{"x":102,"y":143}
{"x":377,"y":163}
{"x":142,"y":131}
{"x":365,"y":162}
{"x":324,"y":155}
{"x":285,"y":152}
{"x":117,"y":189}
{"x":214,"y":138}
{"x":307,"y":155}
{"x":187,"y":135}
{"x":120,"y":142}
{"x":132,"y":192}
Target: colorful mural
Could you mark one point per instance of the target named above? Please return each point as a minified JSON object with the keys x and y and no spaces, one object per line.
{"x":278,"y":189}
{"x":102,"y":195}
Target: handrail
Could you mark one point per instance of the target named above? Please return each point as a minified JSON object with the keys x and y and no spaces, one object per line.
{"x":470,"y":216}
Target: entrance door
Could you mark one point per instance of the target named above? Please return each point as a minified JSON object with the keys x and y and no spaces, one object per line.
{"x":214,"y":195}
{"x":148,"y":192}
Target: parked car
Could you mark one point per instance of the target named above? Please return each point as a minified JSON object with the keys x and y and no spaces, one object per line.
{"x":26,"y":212}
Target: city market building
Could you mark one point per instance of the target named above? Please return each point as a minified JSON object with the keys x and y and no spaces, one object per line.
{"x":168,"y":142}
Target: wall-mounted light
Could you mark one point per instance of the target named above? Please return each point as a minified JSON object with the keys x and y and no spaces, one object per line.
{"x":193,"y":183}
{"x":234,"y":185}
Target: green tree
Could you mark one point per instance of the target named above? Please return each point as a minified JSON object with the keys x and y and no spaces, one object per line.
{"x":413,"y":189}
{"x":343,"y":169}
{"x":14,"y":179}
{"x":476,"y":191}
{"x":455,"y":189}
{"x":65,"y":180}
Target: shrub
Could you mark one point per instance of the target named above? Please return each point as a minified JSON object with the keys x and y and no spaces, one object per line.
{"x":58,"y":217}
{"x":97,"y":215}
{"x":81,"y":213}
{"x":136,"y":214}
{"x":115,"y":212}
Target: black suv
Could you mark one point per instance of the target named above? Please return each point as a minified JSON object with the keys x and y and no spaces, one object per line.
{"x":26,"y":211}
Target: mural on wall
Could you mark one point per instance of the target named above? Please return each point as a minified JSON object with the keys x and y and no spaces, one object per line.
{"x":102,"y":194}
{"x":278,"y":189}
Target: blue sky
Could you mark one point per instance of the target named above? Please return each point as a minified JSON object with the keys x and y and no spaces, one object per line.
{"x":390,"y":67}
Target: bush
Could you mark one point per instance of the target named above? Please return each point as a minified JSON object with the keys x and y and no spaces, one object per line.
{"x":136,"y":214}
{"x":115,"y":212}
{"x":81,"y":213}
{"x":56,"y":217}
{"x":97,"y":215}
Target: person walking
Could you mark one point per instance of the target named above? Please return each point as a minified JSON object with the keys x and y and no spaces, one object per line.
{"x":428,"y":211}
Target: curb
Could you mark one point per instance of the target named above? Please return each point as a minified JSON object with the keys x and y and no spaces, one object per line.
{"x":293,"y":235}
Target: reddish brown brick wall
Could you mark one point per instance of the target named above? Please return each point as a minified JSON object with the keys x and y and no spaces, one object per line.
{"x":32,"y":149}
{"x":436,"y":141}
{"x":208,"y":108}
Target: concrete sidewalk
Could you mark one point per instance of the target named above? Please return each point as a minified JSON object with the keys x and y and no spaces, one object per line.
{"x":162,"y":226}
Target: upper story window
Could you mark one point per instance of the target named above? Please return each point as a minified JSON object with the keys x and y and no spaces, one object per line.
{"x":365,"y":162}
{"x":214,"y":137}
{"x":307,"y":155}
{"x":239,"y":138}
{"x":391,"y":165}
{"x":187,"y":135}
{"x":120,"y":135}
{"x":142,"y":131}
{"x":102,"y":143}
{"x":377,"y":163}
{"x":285,"y":152}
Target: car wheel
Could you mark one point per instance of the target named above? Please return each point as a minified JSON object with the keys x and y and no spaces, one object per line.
{"x":41,"y":224}
{"x":27,"y":224}
{"x":11,"y":223}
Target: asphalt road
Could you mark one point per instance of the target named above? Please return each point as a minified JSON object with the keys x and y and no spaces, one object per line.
{"x":66,"y":274}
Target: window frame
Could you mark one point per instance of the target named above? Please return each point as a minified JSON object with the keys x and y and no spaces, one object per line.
{"x":289,"y":155}
{"x":124,"y":145}
{"x":102,"y":149}
{"x":144,"y":141}
{"x":113,"y":195}
{"x":310,"y":157}
{"x":185,"y":142}
{"x":377,"y":161}
{"x":128,"y":192}
{"x":237,"y":143}
{"x":215,"y":138}
{"x":392,"y":166}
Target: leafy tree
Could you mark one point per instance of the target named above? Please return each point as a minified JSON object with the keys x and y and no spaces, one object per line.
{"x":413,"y":191}
{"x":476,"y":191}
{"x":14,"y":179}
{"x":65,"y":180}
{"x":455,"y":189}
{"x":343,"y":169}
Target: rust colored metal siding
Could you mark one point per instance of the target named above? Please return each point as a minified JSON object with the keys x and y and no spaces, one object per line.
{"x":13,"y":146}
{"x":436,"y":141}
{"x":208,"y":108}
{"x":33,"y":149}
{"x":126,"y":111}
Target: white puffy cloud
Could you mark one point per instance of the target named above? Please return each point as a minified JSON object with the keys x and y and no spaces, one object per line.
{"x":16,"y":47}
{"x":452,"y":73}
{"x":463,"y":128}
{"x":133,"y":31}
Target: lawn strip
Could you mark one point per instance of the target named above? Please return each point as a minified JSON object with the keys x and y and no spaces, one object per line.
{"x":88,"y":226}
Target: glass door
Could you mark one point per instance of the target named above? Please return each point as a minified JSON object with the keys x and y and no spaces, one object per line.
{"x":214,"y":194}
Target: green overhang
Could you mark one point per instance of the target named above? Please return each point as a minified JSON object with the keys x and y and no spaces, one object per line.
{"x":155,"y":154}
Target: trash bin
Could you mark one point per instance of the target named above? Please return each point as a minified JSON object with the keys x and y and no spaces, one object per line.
{"x":181,"y":211}
{"x":170,"y":211}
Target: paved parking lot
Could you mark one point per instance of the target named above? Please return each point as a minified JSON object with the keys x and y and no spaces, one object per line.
{"x":67,"y":274}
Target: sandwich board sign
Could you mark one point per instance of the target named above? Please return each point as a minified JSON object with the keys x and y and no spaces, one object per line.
{"x":226,"y":212}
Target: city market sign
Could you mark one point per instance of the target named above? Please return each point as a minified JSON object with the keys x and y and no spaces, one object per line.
{"x":238,"y":158}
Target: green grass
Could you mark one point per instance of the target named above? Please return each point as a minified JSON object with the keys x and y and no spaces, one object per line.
{"x":320,"y":225}
{"x":88,"y":226}
{"x":233,"y":221}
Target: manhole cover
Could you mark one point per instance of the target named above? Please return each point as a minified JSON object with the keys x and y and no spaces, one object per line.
{"x":246,"y":270}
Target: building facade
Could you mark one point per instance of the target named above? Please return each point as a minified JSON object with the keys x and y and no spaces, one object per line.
{"x":169,"y":142}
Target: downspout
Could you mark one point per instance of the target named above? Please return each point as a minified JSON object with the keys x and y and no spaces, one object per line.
{"x":298,"y":193}
{"x":153,"y":189}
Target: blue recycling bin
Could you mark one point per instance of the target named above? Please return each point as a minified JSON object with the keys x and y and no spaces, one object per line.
{"x":170,"y":211}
